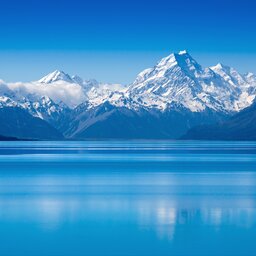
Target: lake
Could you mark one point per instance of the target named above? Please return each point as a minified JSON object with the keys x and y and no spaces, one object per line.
{"x":127,"y":198}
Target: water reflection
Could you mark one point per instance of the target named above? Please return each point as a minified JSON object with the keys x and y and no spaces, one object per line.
{"x":146,"y":212}
{"x":165,"y":198}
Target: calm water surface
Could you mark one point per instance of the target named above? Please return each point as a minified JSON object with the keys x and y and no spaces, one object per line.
{"x":127,"y":198}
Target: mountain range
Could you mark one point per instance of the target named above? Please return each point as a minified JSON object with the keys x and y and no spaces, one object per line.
{"x":241,"y":126}
{"x":177,"y":98}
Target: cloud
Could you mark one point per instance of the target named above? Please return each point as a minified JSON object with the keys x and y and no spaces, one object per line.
{"x":71,"y":94}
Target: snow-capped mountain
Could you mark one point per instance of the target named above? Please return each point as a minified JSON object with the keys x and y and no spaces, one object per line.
{"x":56,"y":76}
{"x":37,"y":104}
{"x":170,"y":98}
{"x":89,"y":90}
{"x":179,"y":79}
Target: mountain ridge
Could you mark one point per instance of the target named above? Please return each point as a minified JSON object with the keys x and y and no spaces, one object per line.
{"x":177,"y":87}
{"x":241,"y":126}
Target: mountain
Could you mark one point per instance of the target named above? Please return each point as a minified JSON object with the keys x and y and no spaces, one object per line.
{"x":17,"y":122}
{"x":56,"y":76}
{"x":109,"y":121}
{"x":4,"y":138}
{"x":179,"y":79}
{"x":241,"y":126}
{"x":38,"y":106}
{"x":164,"y":101}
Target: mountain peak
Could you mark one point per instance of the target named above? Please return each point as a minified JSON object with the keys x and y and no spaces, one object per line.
{"x":181,"y":58}
{"x":77,"y":79}
{"x":249,"y":75}
{"x":250,"y":78}
{"x":219,"y":66}
{"x":56,"y":75}
{"x":183,"y":52}
{"x":187,"y":62}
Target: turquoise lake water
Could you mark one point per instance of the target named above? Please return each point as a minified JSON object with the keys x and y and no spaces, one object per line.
{"x":127,"y":198}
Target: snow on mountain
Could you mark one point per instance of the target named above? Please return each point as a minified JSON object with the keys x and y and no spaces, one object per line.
{"x":60,"y":91}
{"x":241,"y":87}
{"x":250,"y":78}
{"x":46,"y":109}
{"x":77,"y":79}
{"x":176,"y":81}
{"x":83,"y":90}
{"x":56,"y":76}
{"x":179,"y":79}
{"x":54,"y":95}
{"x":173,"y":80}
{"x":30,"y":97}
{"x":7,"y":102}
{"x":230,"y":75}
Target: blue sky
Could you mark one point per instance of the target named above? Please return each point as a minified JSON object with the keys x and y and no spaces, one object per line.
{"x":114,"y":40}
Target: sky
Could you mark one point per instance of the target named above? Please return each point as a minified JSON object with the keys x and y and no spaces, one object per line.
{"x":113,"y":41}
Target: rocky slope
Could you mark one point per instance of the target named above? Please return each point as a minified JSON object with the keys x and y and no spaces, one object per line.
{"x":241,"y":126}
